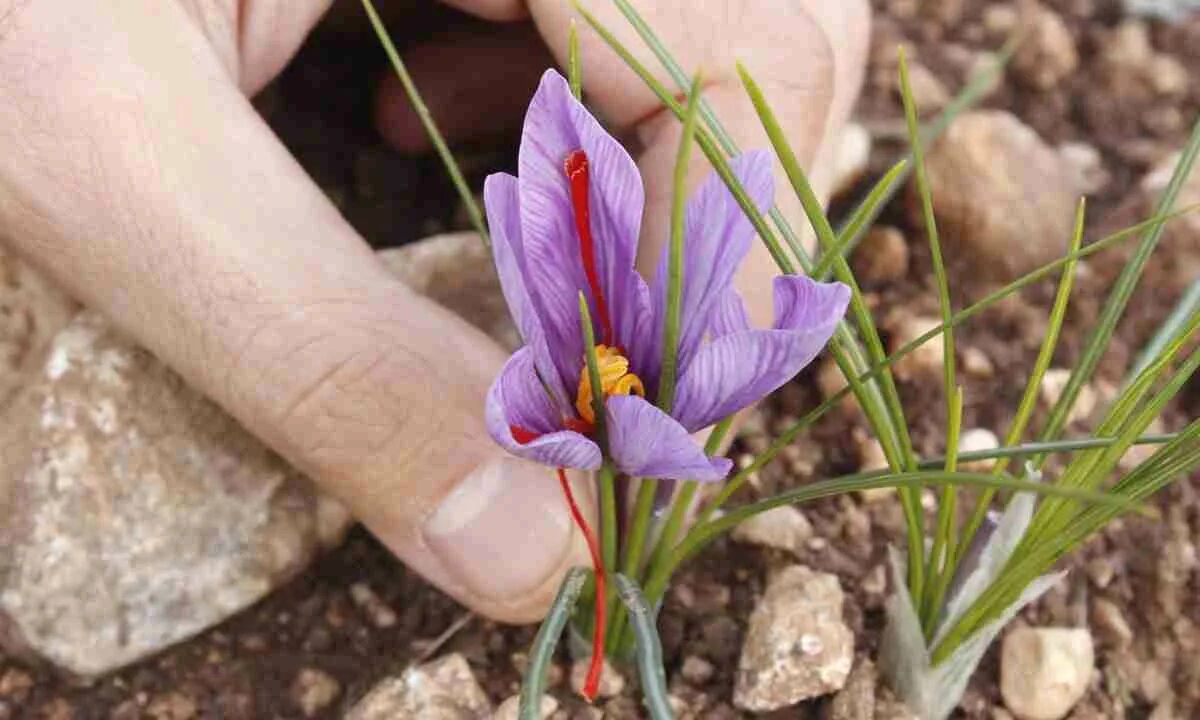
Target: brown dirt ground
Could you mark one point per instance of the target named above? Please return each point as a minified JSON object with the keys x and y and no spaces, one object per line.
{"x":246,"y":667}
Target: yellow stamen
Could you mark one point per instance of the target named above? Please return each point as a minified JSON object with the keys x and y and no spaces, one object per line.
{"x":615,"y":379}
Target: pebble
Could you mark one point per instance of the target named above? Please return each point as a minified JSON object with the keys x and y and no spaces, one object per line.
{"x":511,"y":707}
{"x":796,"y":646}
{"x":1086,"y":165}
{"x":1004,"y":200}
{"x":1000,"y":19}
{"x":928,"y":92}
{"x":377,"y":611}
{"x":1110,"y":622}
{"x":978,"y":440}
{"x":782,"y":528}
{"x":871,"y":457}
{"x":927,"y":359}
{"x":171,"y":706}
{"x":611,"y":680}
{"x":444,"y":689}
{"x":856,"y":701}
{"x":696,"y":670}
{"x":882,"y":256}
{"x":976,"y":362}
{"x":1054,"y":383}
{"x":1045,"y":671}
{"x":1047,"y":51}
{"x":314,"y":690}
{"x":831,"y":381}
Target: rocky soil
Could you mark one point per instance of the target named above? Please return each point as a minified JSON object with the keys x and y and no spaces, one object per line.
{"x":157,"y":562}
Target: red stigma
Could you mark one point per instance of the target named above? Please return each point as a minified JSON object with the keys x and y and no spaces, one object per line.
{"x":591,"y":685}
{"x":523,"y":436}
{"x":577,"y":176}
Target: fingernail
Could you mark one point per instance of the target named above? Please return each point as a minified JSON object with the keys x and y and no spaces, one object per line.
{"x":504,"y":530}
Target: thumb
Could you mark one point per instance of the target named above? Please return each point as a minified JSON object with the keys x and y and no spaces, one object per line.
{"x":190,"y":225}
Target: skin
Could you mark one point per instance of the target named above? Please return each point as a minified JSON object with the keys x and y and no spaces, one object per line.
{"x":135,"y":172}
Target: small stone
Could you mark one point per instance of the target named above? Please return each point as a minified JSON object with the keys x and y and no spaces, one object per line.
{"x":696,"y":670}
{"x":875,"y":582}
{"x":376,"y":610}
{"x":58,"y":709}
{"x":986,"y":62}
{"x":978,"y":440}
{"x":852,"y":157}
{"x":611,"y":680}
{"x":1086,"y":165}
{"x":1000,"y":19}
{"x":171,"y":706}
{"x":1168,"y":76}
{"x":1101,"y":572}
{"x":856,"y":701}
{"x":1004,"y":200}
{"x":783,"y":528}
{"x":313,"y":690}
{"x":1054,"y":383}
{"x":797,"y":646}
{"x":1047,"y":52}
{"x":1045,"y":671}
{"x":928,"y":92}
{"x":444,"y":689}
{"x":831,"y":381}
{"x":976,"y":362}
{"x":882,"y":256}
{"x":510,"y":708}
{"x":871,"y":457}
{"x":1111,"y":622}
{"x":15,"y":684}
{"x":927,"y":359}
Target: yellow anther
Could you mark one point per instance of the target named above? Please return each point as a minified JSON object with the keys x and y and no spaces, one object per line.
{"x":615,"y":379}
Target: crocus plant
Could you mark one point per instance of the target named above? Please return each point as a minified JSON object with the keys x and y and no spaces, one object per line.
{"x":568,"y":226}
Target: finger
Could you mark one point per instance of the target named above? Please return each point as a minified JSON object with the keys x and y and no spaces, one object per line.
{"x":190,"y":225}
{"x":475,"y":82}
{"x":499,"y":10}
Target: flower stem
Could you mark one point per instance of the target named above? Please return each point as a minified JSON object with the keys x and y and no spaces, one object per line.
{"x":635,"y":541}
{"x":592,"y":684}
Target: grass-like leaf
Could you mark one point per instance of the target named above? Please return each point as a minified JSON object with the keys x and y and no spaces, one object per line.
{"x":574,"y":69}
{"x":546,"y":640}
{"x":1187,"y":305}
{"x":1123,"y":289}
{"x":649,"y":649}
{"x":854,"y":227}
{"x":431,"y":129}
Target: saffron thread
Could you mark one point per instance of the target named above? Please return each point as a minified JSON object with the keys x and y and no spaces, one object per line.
{"x":591,"y":684}
{"x":577,"y":176}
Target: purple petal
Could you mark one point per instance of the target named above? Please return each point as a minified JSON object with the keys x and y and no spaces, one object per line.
{"x":500,"y":197}
{"x":556,"y":125}
{"x":717,"y":236}
{"x":646,"y":442}
{"x":729,"y":315}
{"x":517,"y":399}
{"x":736,"y":370}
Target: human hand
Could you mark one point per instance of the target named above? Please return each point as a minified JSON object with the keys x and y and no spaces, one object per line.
{"x":134,"y":171}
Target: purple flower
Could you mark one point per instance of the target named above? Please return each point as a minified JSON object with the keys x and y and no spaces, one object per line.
{"x":569,"y":223}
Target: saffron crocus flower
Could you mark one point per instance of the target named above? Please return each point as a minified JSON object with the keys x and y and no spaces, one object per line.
{"x":569,"y":223}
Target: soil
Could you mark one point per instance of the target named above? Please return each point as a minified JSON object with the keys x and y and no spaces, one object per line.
{"x":248,"y":667}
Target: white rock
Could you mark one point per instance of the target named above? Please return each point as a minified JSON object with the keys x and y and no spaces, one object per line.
{"x":1111,"y":622}
{"x":797,"y":646}
{"x":313,"y":690}
{"x":611,"y":680}
{"x":927,"y":359}
{"x":1054,"y":383}
{"x":510,"y":708}
{"x":976,"y":362}
{"x":978,"y":440}
{"x":1045,"y":671}
{"x":444,"y":689}
{"x":783,"y":528}
{"x":1086,"y":165}
{"x":928,"y":92}
{"x":125,"y":479}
